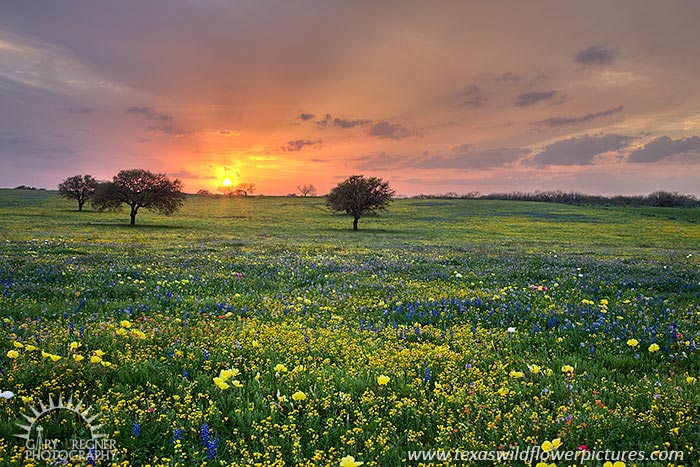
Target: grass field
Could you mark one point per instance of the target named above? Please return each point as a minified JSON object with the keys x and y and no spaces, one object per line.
{"x":264,"y":331}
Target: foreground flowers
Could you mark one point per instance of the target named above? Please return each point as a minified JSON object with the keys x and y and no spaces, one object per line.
{"x":383,"y":380}
{"x":349,"y":461}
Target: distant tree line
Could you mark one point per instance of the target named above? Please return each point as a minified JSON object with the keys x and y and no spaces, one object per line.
{"x":658,"y":198}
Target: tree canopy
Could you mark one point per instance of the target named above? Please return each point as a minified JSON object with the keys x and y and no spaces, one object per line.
{"x":140,"y":188}
{"x":78,"y":187}
{"x":358,"y":196}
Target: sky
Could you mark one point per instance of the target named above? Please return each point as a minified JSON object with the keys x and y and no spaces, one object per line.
{"x":440,"y":96}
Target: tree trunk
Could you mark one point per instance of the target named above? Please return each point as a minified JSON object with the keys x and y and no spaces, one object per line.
{"x":354,"y":223}
{"x":80,"y":204}
{"x":133,"y":215}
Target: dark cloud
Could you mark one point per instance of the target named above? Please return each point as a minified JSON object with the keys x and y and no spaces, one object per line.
{"x":229,"y":133}
{"x":595,"y":55}
{"x":386,"y":130}
{"x":170,"y":130}
{"x":530,"y":98}
{"x":562,"y":121}
{"x":579,"y":151}
{"x":149,"y":113}
{"x":664,"y":148}
{"x":509,"y":78}
{"x":473,"y":96}
{"x":379,"y":161}
{"x":298,"y":144}
{"x":81,"y":111}
{"x":324,"y":121}
{"x":348,"y":123}
{"x":184,"y":173}
{"x":466,"y":156}
{"x":305,"y":116}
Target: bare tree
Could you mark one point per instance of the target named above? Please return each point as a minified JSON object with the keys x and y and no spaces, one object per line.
{"x":307,"y":190}
{"x":245,"y":189}
{"x":78,"y":187}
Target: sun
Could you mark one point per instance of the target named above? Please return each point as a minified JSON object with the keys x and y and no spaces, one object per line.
{"x":226,"y":182}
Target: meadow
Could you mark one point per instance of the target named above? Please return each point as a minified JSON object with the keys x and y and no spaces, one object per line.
{"x":264,"y":331}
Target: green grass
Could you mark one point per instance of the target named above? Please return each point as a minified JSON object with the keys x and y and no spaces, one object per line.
{"x":424,"y":293}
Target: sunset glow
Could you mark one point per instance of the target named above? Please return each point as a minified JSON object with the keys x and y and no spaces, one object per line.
{"x":226,"y":182}
{"x":282,"y":94}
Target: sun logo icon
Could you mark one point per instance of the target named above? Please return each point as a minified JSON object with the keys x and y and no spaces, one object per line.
{"x":98,"y":445}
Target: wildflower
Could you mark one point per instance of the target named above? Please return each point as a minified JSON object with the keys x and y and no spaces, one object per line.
{"x":29,"y":348}
{"x":122,"y":332}
{"x":535,"y":368}
{"x":633,"y":342}
{"x":516,"y":374}
{"x":567,"y":369}
{"x":211,"y":448}
{"x":511,"y":330}
{"x":222,"y":384}
{"x":691,"y":379}
{"x":548,"y":446}
{"x":78,"y":358}
{"x":12,"y":354}
{"x":204,"y":434}
{"x":299,"y":396}
{"x":616,"y":464}
{"x":674,"y":431}
{"x":236,"y":383}
{"x":54,"y":358}
{"x":95,"y":359}
{"x":105,"y":363}
{"x":45,"y":354}
{"x":99,"y":353}
{"x":136,"y":428}
{"x":7,"y":395}
{"x":654,"y":347}
{"x":383,"y":380}
{"x":125,"y":324}
{"x":74,"y":345}
{"x":544,"y":464}
{"x":349,"y":461}
{"x":280,"y":368}
{"x":18,"y":345}
{"x":177,"y":434}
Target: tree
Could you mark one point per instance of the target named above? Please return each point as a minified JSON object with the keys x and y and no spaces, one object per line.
{"x":78,"y":187}
{"x":245,"y":189}
{"x":358,"y":196}
{"x":307,"y":190}
{"x":140,"y":188}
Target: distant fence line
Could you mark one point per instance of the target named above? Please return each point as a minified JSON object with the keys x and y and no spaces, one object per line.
{"x":658,"y":198}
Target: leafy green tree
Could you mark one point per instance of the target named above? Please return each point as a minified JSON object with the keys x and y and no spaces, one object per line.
{"x":358,"y":196}
{"x":138,"y":189}
{"x":78,"y":187}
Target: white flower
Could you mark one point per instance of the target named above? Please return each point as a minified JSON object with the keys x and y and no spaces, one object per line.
{"x":511,"y":330}
{"x":7,"y":395}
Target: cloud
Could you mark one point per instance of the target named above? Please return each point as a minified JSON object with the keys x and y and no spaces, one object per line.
{"x":509,"y":78}
{"x":347,"y":123}
{"x":229,"y":133}
{"x":664,"y":148}
{"x":474,"y":96}
{"x":466,"y":156}
{"x":80,"y":111}
{"x":298,"y":144}
{"x":386,"y":130}
{"x":170,"y":130}
{"x":562,"y":121}
{"x":184,"y":173}
{"x":579,"y":151}
{"x":379,"y":161}
{"x":305,"y":116}
{"x":149,"y":113}
{"x":530,"y":98}
{"x":595,"y":55}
